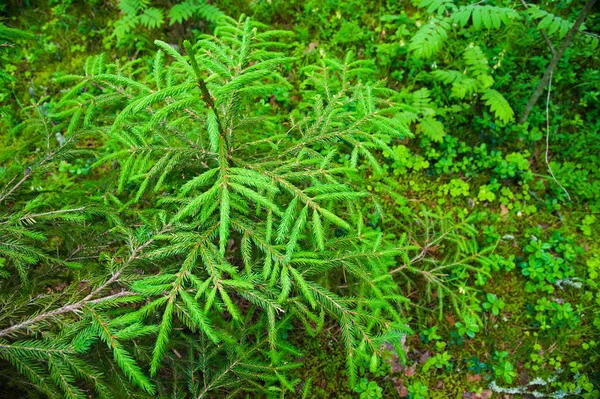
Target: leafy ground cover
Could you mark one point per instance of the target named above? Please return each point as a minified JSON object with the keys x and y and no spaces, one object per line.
{"x":299,"y":199}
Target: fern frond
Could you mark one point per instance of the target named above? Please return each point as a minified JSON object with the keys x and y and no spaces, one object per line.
{"x":433,"y":129}
{"x":476,"y":61}
{"x":439,"y":7}
{"x":550,"y":23}
{"x":487,"y":17}
{"x":498,"y":104}
{"x":430,"y":38}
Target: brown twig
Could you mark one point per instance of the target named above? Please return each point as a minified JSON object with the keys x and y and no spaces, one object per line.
{"x":89,"y":299}
{"x":544,"y":35}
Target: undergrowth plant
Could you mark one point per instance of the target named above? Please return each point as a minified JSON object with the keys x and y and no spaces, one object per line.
{"x":226,"y":224}
{"x":9,"y":40}
{"x":138,"y":16}
{"x":219,"y":219}
{"x":444,"y":262}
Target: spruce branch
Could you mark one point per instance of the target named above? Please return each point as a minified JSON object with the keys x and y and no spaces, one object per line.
{"x":89,"y":299}
{"x":28,"y":172}
{"x":70,"y":308}
{"x":246,"y":240}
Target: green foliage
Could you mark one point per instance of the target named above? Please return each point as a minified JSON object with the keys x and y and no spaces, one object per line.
{"x":549,"y":263}
{"x":189,"y":8}
{"x":8,"y":35}
{"x":493,"y":304}
{"x":430,"y":38}
{"x":9,"y":38}
{"x":485,"y":17}
{"x":197,"y":219}
{"x":368,"y":389}
{"x":503,"y":368}
{"x":432,"y":129}
{"x":438,"y":361}
{"x":441,"y":265}
{"x":498,"y":105}
{"x":245,"y":231}
{"x":138,"y":14}
{"x":468,"y":326}
{"x":550,"y":23}
{"x":417,"y":391}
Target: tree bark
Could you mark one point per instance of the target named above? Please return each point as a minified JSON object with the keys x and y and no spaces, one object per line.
{"x":556,"y":56}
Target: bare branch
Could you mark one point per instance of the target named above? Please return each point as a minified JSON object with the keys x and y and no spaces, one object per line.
{"x":544,"y":35}
{"x":554,"y":61}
